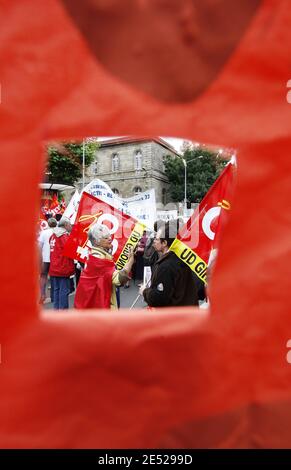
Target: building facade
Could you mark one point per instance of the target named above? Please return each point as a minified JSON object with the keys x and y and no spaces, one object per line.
{"x":130,"y":165}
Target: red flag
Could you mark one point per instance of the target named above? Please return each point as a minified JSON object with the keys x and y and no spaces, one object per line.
{"x":125,"y":230}
{"x":63,"y":205}
{"x":42,"y":222}
{"x":94,"y":289}
{"x":55,"y":207}
{"x":200,"y":234}
{"x":45,"y":207}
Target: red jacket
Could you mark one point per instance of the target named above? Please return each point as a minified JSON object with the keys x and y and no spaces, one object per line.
{"x":95,"y":284}
{"x":60,"y":265}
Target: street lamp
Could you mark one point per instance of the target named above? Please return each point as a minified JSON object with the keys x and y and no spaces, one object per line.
{"x":83,"y":164}
{"x":185,"y":195}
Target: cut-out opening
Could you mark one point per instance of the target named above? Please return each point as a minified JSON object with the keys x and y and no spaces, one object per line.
{"x":147,"y":192}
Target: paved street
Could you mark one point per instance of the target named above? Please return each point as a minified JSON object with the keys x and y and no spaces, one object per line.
{"x":127,"y":297}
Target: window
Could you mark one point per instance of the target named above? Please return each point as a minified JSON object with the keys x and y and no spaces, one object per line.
{"x":115,"y":162}
{"x":138,"y":160}
{"x":137,"y":190}
{"x":95,"y":168}
{"x":163,"y":163}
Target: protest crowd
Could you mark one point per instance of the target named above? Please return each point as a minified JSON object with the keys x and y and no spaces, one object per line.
{"x":97,"y":249}
{"x":172,"y":282}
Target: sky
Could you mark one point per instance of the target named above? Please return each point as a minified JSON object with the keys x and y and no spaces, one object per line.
{"x":176,"y":143}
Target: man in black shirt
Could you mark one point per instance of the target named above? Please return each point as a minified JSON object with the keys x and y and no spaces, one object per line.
{"x":172,"y":280}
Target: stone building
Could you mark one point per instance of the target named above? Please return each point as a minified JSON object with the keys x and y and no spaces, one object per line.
{"x":130,"y":165}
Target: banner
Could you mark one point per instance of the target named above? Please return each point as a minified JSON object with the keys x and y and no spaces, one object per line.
{"x":63,"y":205}
{"x":55,"y":207}
{"x":167,"y":215}
{"x":50,"y":207}
{"x":72,"y":209}
{"x":124,"y":230}
{"x":147,"y":275}
{"x":199,"y":236}
{"x":142,"y":206}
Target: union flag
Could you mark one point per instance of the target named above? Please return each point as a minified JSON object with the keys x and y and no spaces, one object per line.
{"x":199,"y":236}
{"x":124,"y":229}
{"x":55,"y":207}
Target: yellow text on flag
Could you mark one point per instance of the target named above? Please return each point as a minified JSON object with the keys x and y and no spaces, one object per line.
{"x":132,"y":241}
{"x":188,"y":256}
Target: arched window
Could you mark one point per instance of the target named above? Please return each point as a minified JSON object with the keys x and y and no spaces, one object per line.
{"x":115,"y":191}
{"x":138,"y":160}
{"x":137,"y":190}
{"x":163,"y":163}
{"x":115,"y":162}
{"x":95,"y":168}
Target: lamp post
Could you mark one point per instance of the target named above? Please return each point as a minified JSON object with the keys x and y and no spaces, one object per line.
{"x":83,"y":164}
{"x":185,"y":194}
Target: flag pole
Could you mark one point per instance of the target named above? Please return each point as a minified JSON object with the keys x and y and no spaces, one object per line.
{"x":135,"y":302}
{"x":139,"y":295}
{"x":83,"y":163}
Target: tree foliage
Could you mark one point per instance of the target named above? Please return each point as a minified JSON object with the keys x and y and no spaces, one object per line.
{"x":65,"y":160}
{"x":203,"y":167}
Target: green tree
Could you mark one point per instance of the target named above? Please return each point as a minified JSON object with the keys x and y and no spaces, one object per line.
{"x":203,"y":167}
{"x":65,"y":160}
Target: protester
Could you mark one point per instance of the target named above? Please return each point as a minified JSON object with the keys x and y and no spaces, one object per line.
{"x":172,"y":280}
{"x":99,"y":279}
{"x":61,"y":267}
{"x":44,"y":245}
{"x":139,"y":261}
{"x":150,"y":255}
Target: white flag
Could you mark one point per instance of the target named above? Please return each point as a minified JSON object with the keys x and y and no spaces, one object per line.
{"x":142,"y":206}
{"x":72,"y":209}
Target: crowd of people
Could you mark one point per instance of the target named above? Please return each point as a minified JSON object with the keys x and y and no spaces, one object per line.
{"x":98,"y":281}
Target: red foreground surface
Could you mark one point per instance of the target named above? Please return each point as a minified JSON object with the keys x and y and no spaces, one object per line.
{"x":165,"y":378}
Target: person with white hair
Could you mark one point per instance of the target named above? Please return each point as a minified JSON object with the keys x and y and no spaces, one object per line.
{"x":61,"y":267}
{"x":99,"y":280}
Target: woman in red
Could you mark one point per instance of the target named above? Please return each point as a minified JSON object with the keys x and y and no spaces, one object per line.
{"x":99,"y":279}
